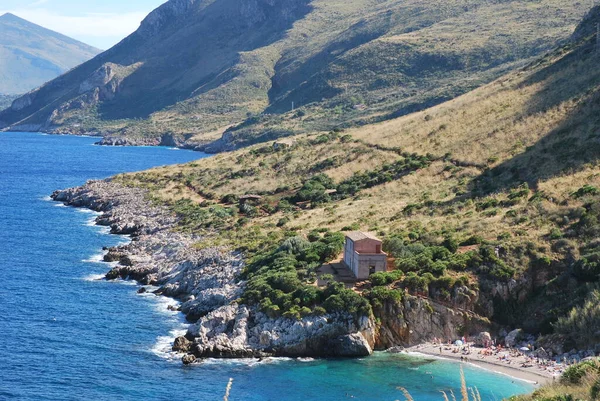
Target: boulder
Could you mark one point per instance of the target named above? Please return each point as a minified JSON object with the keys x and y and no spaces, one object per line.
{"x":182,"y":344}
{"x":483,"y":339}
{"x":350,"y":345}
{"x":113,"y":274}
{"x":513,"y":337}
{"x":188,"y":359}
{"x":142,"y":290}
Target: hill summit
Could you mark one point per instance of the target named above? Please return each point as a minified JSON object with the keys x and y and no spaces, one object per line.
{"x":195,"y":68}
{"x":31,"y":55}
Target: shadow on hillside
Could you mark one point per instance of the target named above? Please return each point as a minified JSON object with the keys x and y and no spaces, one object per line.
{"x":199,"y":57}
{"x":570,"y":145}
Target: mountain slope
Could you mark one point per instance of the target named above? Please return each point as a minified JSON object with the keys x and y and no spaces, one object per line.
{"x":31,"y":55}
{"x":489,"y":202}
{"x":196,"y":67}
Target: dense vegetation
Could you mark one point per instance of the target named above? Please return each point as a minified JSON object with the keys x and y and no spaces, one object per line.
{"x":283,"y":281}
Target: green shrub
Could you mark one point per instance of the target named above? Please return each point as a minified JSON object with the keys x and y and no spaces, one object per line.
{"x":582,"y":324}
{"x":279,"y":281}
{"x":574,"y":374}
{"x":586,"y":190}
{"x":380,"y":295}
{"x":385,"y":278}
{"x":588,"y":267}
{"x":473,"y":240}
{"x":555,"y":234}
{"x":451,"y":244}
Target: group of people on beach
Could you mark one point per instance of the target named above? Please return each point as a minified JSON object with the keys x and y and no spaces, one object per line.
{"x":496,"y":353}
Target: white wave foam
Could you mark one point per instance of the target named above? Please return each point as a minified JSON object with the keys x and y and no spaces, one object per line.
{"x":59,"y":205}
{"x":245,"y":361}
{"x":306,"y":360}
{"x":163,"y":348}
{"x":97,"y":258}
{"x":91,"y":222}
{"x":47,"y":199}
{"x":88,"y":211}
{"x":94,"y":277}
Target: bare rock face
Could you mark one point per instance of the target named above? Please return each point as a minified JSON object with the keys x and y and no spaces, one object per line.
{"x":99,"y":78}
{"x":237,"y":330}
{"x":156,"y":20}
{"x":350,"y":345}
{"x":483,"y":339}
{"x":415,"y":320}
{"x":513,"y":337}
{"x":23,"y":102}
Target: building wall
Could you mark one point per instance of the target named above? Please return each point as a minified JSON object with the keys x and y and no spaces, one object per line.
{"x":364,"y":262}
{"x":349,"y":254}
{"x":367,"y":246}
{"x":361,"y":255}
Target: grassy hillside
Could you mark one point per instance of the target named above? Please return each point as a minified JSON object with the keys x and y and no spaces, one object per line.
{"x":497,"y":191}
{"x":341,"y":63}
{"x":31,"y":55}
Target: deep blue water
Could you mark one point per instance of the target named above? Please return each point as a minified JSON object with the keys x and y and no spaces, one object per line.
{"x":66,"y":336}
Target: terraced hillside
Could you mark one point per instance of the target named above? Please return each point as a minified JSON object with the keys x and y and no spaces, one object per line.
{"x":490,"y":202}
{"x":195,"y":68}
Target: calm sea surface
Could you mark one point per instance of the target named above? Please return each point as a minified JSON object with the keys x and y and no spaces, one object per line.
{"x":64,"y":335}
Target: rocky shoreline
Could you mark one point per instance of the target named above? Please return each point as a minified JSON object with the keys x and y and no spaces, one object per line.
{"x":207,"y":282}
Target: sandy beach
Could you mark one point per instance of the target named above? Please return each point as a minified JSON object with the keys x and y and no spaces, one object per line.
{"x":511,"y":366}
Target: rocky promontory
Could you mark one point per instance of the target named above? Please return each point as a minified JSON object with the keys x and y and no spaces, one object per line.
{"x":209,"y":285}
{"x":207,"y":282}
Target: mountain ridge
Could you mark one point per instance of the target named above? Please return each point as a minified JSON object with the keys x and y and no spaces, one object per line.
{"x":341,"y":63}
{"x":33,"y":55}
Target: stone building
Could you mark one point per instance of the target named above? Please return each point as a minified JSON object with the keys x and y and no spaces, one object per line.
{"x":363,"y":255}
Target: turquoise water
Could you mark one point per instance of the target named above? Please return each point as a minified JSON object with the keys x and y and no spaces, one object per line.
{"x":66,"y":336}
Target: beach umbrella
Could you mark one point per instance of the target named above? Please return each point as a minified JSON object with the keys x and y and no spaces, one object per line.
{"x":524,"y":349}
{"x":458,"y":342}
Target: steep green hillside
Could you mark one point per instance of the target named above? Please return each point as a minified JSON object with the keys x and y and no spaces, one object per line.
{"x":31,"y":55}
{"x":490,"y":201}
{"x":195,"y":68}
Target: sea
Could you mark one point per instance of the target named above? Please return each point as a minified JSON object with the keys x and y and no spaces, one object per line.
{"x":65,"y":334}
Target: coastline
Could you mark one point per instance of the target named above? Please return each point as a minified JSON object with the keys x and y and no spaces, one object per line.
{"x":208,"y":284}
{"x":533,"y":375}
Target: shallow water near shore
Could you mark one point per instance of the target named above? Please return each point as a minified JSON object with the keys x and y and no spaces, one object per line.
{"x":65,"y":335}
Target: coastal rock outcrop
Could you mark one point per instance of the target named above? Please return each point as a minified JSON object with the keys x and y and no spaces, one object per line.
{"x":207,"y":282}
{"x":415,"y":320}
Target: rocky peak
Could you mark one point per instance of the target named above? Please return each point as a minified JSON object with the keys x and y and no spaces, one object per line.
{"x":244,"y":12}
{"x":160,"y":17}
